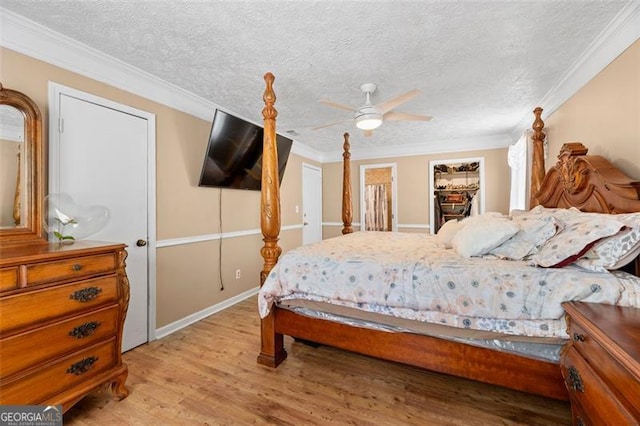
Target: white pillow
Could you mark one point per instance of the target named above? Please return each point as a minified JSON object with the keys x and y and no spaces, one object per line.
{"x":483,"y":233}
{"x":534,"y":232}
{"x":449,"y":230}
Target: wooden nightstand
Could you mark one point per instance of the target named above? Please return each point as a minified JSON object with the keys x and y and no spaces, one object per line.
{"x":601,"y":364}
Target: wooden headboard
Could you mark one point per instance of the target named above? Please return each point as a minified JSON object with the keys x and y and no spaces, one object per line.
{"x":588,"y":182}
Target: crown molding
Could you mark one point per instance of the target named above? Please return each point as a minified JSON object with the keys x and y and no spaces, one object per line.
{"x":622,"y":32}
{"x":306,"y":151}
{"x":35,"y":40}
{"x":428,"y":147}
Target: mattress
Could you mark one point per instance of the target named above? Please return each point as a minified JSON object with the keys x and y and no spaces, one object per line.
{"x":541,"y":348}
{"x":414,"y":277}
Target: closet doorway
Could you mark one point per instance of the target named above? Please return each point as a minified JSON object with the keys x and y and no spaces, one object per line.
{"x":378,"y":197}
{"x":457,"y":190}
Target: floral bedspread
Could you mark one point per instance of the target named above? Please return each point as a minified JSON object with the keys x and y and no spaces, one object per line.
{"x":414,"y":276}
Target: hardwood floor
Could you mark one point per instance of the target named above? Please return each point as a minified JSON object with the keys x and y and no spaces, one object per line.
{"x":207,"y":374}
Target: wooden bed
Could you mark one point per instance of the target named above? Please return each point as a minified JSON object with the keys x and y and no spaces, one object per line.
{"x":590,"y":183}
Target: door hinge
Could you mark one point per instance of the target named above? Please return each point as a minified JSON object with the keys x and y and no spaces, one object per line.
{"x":60,"y":125}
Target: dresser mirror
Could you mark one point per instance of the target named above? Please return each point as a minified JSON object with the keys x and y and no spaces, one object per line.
{"x":21,"y":169}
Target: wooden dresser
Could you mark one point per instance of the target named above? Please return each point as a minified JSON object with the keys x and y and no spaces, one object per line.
{"x":601,"y":365}
{"x":62,"y":311}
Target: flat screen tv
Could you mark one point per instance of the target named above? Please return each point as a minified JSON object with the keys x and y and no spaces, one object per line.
{"x":234,"y":154}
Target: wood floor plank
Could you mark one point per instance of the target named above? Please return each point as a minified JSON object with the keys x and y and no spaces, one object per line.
{"x":207,"y":374}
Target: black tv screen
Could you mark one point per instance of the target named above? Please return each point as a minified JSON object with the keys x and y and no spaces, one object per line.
{"x":234,"y":154}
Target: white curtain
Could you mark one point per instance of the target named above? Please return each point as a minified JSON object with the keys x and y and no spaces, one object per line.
{"x":518,"y":162}
{"x":376,"y":216}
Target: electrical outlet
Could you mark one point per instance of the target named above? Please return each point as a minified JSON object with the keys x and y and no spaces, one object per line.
{"x":237,"y":274}
{"x":297,"y":209}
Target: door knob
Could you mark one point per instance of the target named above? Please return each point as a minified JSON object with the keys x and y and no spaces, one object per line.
{"x":305,"y":223}
{"x":141,"y":243}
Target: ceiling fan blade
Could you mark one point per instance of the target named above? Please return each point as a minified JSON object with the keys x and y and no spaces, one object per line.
{"x":335,"y":105}
{"x":368,"y":133}
{"x":322,"y":126}
{"x":400,"y":116}
{"x":398,"y":100}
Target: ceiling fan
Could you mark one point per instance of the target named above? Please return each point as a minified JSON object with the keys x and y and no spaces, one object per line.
{"x":369,"y":117}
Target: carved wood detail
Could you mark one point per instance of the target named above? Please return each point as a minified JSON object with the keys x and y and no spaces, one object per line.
{"x":270,"y":196}
{"x":537,"y":166}
{"x":272,"y":350}
{"x":573,"y":173}
{"x":588,"y":182}
{"x":347,"y":205}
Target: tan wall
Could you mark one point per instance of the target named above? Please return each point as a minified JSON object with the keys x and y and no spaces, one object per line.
{"x":187,"y":275}
{"x":413,"y":187}
{"x":604,"y":115}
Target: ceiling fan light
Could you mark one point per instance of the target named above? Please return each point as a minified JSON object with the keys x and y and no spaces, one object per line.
{"x":369,"y":121}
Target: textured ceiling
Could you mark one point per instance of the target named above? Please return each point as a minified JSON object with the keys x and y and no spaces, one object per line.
{"x":481,"y":66}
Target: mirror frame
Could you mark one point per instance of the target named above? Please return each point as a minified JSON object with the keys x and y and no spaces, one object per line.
{"x":32,"y":229}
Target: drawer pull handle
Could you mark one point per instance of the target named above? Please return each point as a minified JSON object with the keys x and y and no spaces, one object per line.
{"x":84,"y":330}
{"x":76,"y":267}
{"x":82,"y":366}
{"x":574,"y":381}
{"x":578,"y":337}
{"x":86,"y":294}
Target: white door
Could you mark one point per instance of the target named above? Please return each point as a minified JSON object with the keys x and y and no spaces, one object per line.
{"x":311,"y":204}
{"x":101,"y":159}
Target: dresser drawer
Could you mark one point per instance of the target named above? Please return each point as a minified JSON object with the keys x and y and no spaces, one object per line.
{"x":8,"y":278}
{"x":78,"y":267}
{"x":25,"y":350}
{"x":55,"y":378}
{"x":591,"y":394}
{"x":32,"y":307}
{"x":608,"y":369}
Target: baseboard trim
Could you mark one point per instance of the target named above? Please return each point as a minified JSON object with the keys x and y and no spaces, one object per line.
{"x":414,"y":225}
{"x":197,"y":316}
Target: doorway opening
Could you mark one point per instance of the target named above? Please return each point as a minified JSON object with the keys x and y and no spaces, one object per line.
{"x":378,"y":197}
{"x":456,"y":187}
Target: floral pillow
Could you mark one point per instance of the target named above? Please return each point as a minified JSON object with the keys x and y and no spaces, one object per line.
{"x":534,"y":231}
{"x":581,"y":231}
{"x":615,"y":251}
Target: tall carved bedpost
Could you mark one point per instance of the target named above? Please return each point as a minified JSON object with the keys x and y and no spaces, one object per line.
{"x":347,"y":206}
{"x":272,"y":350}
{"x":537,"y":166}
